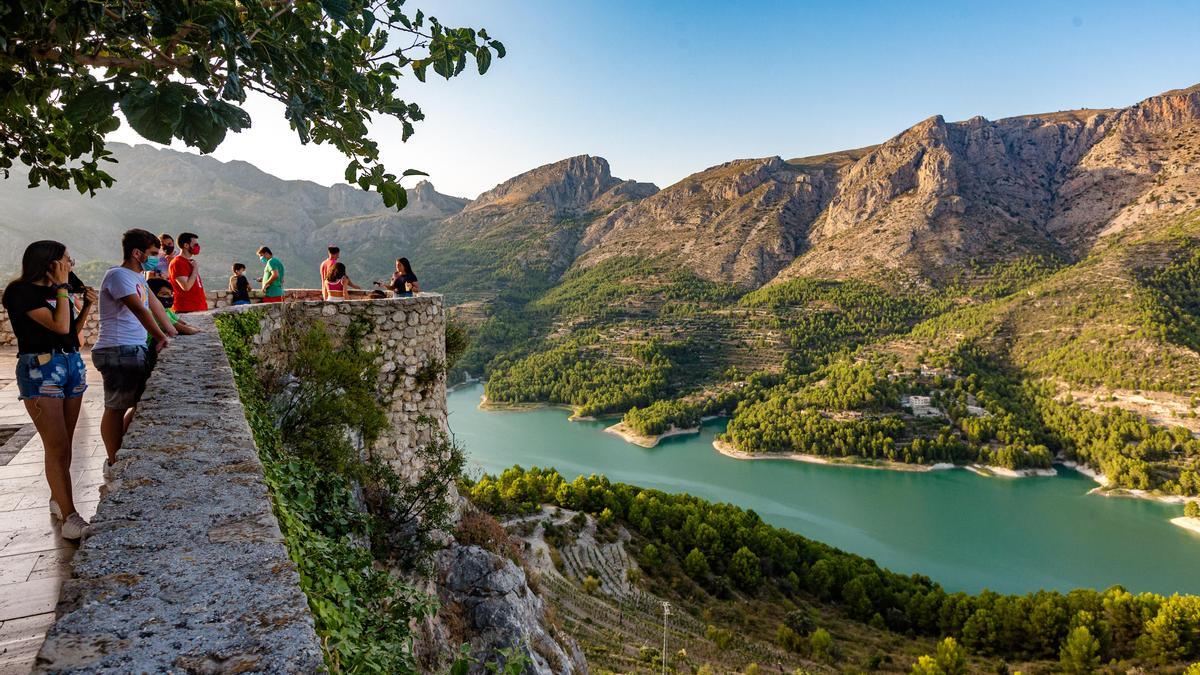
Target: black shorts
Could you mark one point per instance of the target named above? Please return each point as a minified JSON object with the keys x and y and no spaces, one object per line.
{"x":125,"y":371}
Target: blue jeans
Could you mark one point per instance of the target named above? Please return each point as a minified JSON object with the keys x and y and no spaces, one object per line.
{"x":51,"y":375}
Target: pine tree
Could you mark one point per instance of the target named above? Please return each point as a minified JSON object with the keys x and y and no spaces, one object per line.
{"x":1080,"y":652}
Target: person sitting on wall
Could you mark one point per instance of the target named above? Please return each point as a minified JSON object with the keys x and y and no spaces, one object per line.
{"x":51,"y":376}
{"x":327,"y":265}
{"x":161,"y":288}
{"x":184,"y":272}
{"x":239,"y":285}
{"x":272,"y":278}
{"x":404,"y":283}
{"x":335,"y":287}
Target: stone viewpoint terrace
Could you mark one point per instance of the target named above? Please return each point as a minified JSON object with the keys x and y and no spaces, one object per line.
{"x":185,"y":568}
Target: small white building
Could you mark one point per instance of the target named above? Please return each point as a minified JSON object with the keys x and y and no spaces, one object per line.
{"x":921,"y":406}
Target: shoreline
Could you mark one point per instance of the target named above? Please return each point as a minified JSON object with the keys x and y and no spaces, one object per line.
{"x":979,"y":469}
{"x":492,"y":406}
{"x":631,"y":436}
{"x":1192,"y":524}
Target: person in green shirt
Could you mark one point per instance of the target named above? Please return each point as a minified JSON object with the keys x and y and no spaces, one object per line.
{"x":272,"y":278}
{"x":161,"y":288}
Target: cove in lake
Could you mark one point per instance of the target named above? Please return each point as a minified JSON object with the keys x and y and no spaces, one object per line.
{"x":966,"y":532}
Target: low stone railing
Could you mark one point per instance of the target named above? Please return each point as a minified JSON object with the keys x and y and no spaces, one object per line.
{"x":216,"y":300}
{"x":184,"y":568}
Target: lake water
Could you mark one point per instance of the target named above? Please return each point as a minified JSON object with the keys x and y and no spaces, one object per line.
{"x":965,"y":531}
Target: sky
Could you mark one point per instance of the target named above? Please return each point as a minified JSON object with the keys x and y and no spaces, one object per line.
{"x":663,"y":89}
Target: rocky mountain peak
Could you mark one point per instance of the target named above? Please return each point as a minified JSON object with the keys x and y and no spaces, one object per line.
{"x":568,"y":185}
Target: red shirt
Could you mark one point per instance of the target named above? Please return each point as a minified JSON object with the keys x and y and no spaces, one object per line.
{"x":191,"y":300}
{"x":325,"y":265}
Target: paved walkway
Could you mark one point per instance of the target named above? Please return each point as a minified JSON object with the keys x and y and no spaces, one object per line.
{"x":34,"y":560}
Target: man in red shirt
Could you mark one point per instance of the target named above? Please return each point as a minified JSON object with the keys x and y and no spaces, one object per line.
{"x":185,"y":276}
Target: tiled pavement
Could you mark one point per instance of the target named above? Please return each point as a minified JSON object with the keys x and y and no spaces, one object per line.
{"x":34,"y":560}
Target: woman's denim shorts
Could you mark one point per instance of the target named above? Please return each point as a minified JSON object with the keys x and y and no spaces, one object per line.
{"x":51,"y":375}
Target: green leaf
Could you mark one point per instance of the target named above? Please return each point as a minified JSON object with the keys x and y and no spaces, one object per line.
{"x":483,"y":59}
{"x":414,"y":172}
{"x":200,"y":127}
{"x":109,"y":125}
{"x":234,"y":118}
{"x":90,"y":106}
{"x":499,"y":47}
{"x":154,"y":112}
{"x":338,"y":10}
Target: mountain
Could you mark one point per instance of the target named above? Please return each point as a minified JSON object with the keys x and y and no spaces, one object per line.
{"x":521,"y":235}
{"x":233,"y":206}
{"x":742,"y":220}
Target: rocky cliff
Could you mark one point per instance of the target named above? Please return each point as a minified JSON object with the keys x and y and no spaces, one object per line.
{"x":743,"y":220}
{"x":941,"y":194}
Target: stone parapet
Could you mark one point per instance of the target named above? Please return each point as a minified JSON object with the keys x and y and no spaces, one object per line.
{"x":409,"y":334}
{"x":216,"y":300}
{"x":185,"y":568}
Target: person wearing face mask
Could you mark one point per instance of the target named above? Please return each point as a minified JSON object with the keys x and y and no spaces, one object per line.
{"x":272,"y":278}
{"x":128,"y":313}
{"x":166,"y":253}
{"x":161,"y":288}
{"x":184,"y":273}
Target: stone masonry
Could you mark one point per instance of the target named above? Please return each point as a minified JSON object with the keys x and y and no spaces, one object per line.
{"x":185,"y":568}
{"x":410,"y":336}
{"x":216,"y":300}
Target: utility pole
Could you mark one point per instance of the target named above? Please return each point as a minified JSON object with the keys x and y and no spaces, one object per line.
{"x":666,"y":612}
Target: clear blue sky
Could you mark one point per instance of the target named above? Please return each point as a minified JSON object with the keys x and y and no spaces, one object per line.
{"x":663,"y":89}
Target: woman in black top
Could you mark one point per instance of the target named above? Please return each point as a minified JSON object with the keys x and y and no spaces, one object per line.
{"x":51,"y":377}
{"x":404,"y":282}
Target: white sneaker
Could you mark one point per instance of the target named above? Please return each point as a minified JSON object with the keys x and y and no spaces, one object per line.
{"x":109,"y":470}
{"x":74,"y":527}
{"x":55,"y":511}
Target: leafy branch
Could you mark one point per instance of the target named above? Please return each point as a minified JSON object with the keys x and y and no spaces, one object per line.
{"x":181,"y":70}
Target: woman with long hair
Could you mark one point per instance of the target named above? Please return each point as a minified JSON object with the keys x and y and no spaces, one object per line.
{"x":337,"y":283}
{"x":51,"y":377}
{"x":404,"y":283}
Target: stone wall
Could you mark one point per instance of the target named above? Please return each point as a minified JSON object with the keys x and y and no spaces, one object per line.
{"x":410,"y":335}
{"x":216,"y":300}
{"x":184,"y":569}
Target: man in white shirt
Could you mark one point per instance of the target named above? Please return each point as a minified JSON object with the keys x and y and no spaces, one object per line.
{"x":129,"y":314}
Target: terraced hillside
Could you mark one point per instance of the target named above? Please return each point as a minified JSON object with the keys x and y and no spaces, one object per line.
{"x":608,"y":555}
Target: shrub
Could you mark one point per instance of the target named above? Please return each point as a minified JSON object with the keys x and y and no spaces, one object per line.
{"x":789,"y":639}
{"x":822,"y":646}
{"x":477,"y":528}
{"x":1080,"y":654}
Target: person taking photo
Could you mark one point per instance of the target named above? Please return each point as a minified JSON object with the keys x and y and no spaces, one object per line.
{"x":51,"y":376}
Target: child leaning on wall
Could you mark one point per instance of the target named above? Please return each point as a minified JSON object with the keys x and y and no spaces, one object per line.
{"x":161,"y":288}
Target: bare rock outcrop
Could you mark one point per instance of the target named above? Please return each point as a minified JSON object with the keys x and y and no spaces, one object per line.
{"x":741,"y":221}
{"x":486,"y":601}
